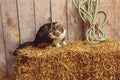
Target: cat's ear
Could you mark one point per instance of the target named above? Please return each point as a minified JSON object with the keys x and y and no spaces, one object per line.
{"x":57,"y":24}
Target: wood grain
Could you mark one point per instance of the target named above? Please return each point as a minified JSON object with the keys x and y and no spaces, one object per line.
{"x":111,"y":7}
{"x":118,"y":20}
{"x":42,"y":12}
{"x":26,"y":20}
{"x":59,"y":11}
{"x":10,"y":29}
{"x":3,"y":68}
{"x":75,"y":24}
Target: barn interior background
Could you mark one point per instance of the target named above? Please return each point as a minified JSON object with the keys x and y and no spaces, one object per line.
{"x":20,"y":20}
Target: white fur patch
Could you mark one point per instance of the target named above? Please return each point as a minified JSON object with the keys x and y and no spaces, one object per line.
{"x":59,"y":39}
{"x":62,"y":35}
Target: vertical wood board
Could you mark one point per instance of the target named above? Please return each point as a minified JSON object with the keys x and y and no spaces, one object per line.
{"x":75,"y":24}
{"x":42,"y":12}
{"x":3,"y":69}
{"x":118,"y":19}
{"x":112,"y":26}
{"x":26,"y":20}
{"x":10,"y":29}
{"x":59,"y":11}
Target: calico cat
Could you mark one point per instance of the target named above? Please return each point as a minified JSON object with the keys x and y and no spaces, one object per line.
{"x":47,"y":37}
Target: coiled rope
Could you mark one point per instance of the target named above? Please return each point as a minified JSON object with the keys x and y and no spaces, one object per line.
{"x":88,"y":10}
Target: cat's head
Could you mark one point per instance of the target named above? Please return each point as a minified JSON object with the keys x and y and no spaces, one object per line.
{"x":56,"y":31}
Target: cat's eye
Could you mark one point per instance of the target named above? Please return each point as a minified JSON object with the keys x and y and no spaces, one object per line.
{"x":50,"y":31}
{"x":53,"y":32}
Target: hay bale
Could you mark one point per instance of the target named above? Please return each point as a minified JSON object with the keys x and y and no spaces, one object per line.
{"x":8,"y":77}
{"x":76,"y":61}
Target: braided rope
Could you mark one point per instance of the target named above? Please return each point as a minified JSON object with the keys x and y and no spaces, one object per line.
{"x":88,"y":10}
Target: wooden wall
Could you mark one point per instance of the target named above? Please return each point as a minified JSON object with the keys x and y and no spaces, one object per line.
{"x":21,"y":19}
{"x":112,"y":8}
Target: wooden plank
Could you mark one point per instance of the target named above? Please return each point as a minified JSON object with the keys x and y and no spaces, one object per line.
{"x":106,"y":2}
{"x":59,"y":11}
{"x":26,"y":20}
{"x":118,"y":19}
{"x":42,"y":12}
{"x":112,"y":27}
{"x":3,"y":69}
{"x":75,"y":24}
{"x":10,"y":28}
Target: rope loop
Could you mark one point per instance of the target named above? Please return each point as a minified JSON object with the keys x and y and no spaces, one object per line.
{"x":89,"y":11}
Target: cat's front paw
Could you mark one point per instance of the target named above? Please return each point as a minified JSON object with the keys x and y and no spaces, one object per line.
{"x":64,"y":43}
{"x":57,"y":45}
